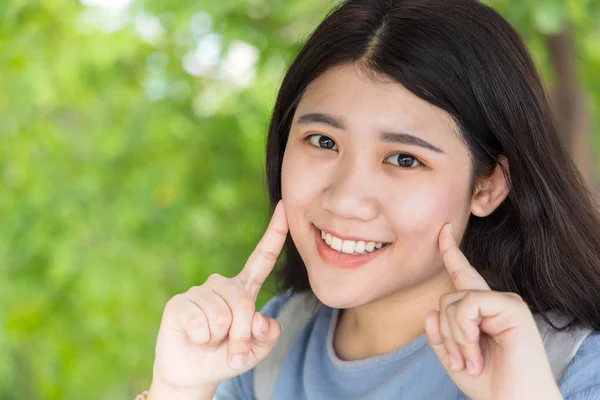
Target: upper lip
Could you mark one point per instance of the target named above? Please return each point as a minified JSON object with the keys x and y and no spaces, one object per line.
{"x":353,"y":238}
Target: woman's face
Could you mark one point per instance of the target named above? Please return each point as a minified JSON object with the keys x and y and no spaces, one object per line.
{"x":368,"y":161}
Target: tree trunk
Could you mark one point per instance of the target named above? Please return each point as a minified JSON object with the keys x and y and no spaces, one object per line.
{"x":571,"y":106}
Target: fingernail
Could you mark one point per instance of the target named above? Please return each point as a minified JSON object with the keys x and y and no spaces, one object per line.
{"x":451,"y":229}
{"x":238,"y":361}
{"x":453,"y":362}
{"x":470,"y":368}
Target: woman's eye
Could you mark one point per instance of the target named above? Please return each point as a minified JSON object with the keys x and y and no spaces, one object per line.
{"x":322,"y":141}
{"x":403,"y":160}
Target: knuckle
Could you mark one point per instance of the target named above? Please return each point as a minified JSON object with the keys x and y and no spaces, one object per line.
{"x":466,"y":305}
{"x":174,"y":302}
{"x":215,"y":278}
{"x":246,"y":304}
{"x":242,"y":338}
{"x":449,"y":345}
{"x":515,"y":297}
{"x":470,"y":298}
{"x":445,"y":299}
{"x":463,"y":341}
{"x":450,"y":298}
{"x":451,"y":310}
{"x":197,"y":330}
{"x":223,"y":319}
{"x":194,"y":291}
{"x":174,"y":299}
{"x":267,"y":254}
{"x":240,"y":346}
{"x":462,"y":313}
{"x":277,"y":229}
{"x":198,"y":296}
{"x":459,"y":329}
{"x":460,"y":341}
{"x":241,"y":334}
{"x":196,"y":323}
{"x":455,"y":275}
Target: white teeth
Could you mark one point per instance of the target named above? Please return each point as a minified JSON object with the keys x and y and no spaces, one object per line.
{"x":349,"y":246}
{"x":360,"y":247}
{"x":336,"y":243}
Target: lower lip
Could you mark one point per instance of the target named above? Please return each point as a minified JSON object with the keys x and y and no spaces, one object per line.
{"x":343,"y":260}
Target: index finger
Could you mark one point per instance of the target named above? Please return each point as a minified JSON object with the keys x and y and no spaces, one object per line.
{"x":262,"y":260}
{"x":464,"y":276}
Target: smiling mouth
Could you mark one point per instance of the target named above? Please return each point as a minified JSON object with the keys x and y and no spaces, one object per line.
{"x":351,"y":247}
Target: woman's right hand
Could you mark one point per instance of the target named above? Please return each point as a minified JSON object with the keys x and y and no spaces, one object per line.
{"x":212,"y":332}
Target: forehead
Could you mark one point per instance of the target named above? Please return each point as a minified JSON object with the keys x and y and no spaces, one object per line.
{"x":368,"y":102}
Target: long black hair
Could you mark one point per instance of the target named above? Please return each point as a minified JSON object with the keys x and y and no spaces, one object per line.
{"x":543,"y":241}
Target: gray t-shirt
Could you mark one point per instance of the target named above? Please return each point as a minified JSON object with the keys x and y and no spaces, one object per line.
{"x":313,"y":371}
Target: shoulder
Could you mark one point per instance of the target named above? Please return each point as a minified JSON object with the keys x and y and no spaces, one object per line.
{"x":273,"y":307}
{"x":292,"y":308}
{"x":581,"y":379}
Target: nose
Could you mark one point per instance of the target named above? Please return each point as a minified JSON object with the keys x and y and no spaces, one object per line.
{"x":351,"y":193}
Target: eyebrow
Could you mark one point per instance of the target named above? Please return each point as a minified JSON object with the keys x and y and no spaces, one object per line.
{"x":321,"y":118}
{"x":391,"y":137}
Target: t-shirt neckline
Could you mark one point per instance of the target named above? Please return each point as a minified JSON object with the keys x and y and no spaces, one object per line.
{"x":383,"y":359}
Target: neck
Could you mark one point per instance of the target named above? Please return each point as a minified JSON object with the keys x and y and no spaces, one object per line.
{"x":389,"y":323}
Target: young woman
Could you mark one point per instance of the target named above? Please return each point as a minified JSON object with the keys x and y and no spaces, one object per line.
{"x":431,"y":211}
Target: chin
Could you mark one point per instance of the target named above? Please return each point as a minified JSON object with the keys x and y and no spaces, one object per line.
{"x":336,"y":292}
{"x":339,"y":297}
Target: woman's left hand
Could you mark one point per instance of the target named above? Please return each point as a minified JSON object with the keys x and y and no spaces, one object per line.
{"x":487,"y":341}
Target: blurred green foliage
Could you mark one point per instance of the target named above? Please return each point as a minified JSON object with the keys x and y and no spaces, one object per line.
{"x":132,"y":141}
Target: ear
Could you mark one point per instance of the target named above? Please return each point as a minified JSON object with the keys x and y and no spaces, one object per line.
{"x":491,"y":191}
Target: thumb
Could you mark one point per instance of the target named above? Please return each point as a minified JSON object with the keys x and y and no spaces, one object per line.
{"x":265,"y":333}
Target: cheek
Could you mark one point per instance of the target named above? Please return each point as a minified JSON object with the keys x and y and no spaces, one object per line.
{"x":302,"y":177}
{"x":428,"y":208}
{"x":291,"y":179}
{"x":299,"y":186}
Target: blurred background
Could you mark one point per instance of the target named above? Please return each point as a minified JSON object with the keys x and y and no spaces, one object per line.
{"x":132,"y":138}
